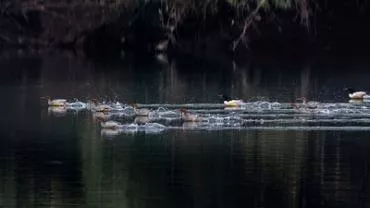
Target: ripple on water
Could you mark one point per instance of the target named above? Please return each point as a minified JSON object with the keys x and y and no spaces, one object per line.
{"x":256,"y":114}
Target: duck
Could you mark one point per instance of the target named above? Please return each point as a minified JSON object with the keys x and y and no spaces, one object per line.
{"x":140,"y":111}
{"x":55,"y":102}
{"x":97,"y":107}
{"x":228,"y":102}
{"x":186,"y":116}
{"x":110,"y":125}
{"x":101,"y":116}
{"x":308,"y":104}
{"x":353,"y":94}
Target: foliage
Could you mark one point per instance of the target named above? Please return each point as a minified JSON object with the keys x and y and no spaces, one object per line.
{"x":69,"y":21}
{"x":247,"y":12}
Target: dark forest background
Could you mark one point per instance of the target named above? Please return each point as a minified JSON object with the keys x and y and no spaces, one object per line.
{"x":187,"y":26}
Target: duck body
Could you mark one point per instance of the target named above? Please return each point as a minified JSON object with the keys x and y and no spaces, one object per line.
{"x":233,"y":103}
{"x":110,"y":125}
{"x":306,"y":106}
{"x":358,"y":95}
{"x":57,"y":102}
{"x":101,"y":116}
{"x":102,"y":108}
{"x":228,"y":102}
{"x":98,"y":107}
{"x":142,"y":112}
{"x":354,"y":94}
{"x":186,"y":116}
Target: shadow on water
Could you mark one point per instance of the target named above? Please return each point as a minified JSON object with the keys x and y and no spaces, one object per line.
{"x":48,"y":161}
{"x":157,"y":79}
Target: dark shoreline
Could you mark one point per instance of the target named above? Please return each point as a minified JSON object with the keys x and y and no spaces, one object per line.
{"x":332,"y":29}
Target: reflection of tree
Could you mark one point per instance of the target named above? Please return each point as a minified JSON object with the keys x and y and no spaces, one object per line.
{"x":176,"y":82}
{"x":40,"y":166}
{"x":173,"y":86}
{"x":328,"y":174}
{"x":305,"y":81}
{"x":206,"y":169}
{"x":251,"y":168}
{"x":105,"y":168}
{"x":8,"y":190}
{"x":274,"y":160}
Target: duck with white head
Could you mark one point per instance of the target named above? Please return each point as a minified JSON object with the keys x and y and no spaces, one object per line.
{"x":228,"y":102}
{"x":356,"y":94}
{"x":55,"y":102}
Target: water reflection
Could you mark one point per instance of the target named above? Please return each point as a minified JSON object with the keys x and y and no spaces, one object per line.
{"x":49,"y":161}
{"x":182,"y":168}
{"x":180,"y":81}
{"x":176,"y":82}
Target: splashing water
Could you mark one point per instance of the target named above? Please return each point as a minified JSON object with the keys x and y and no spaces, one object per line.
{"x":216,"y":116}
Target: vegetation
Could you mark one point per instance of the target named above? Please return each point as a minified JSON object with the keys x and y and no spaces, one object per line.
{"x":73,"y":23}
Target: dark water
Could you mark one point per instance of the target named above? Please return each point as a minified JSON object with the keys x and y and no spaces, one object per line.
{"x":51,"y":161}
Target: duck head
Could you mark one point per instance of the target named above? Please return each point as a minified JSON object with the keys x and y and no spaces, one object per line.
{"x":134,"y":105}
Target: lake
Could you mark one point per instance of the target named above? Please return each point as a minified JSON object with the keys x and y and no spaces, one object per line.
{"x":256,"y":157}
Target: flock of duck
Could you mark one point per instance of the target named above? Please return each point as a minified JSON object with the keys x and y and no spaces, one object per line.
{"x":144,"y":116}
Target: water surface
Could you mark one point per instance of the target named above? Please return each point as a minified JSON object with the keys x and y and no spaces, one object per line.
{"x":49,"y":160}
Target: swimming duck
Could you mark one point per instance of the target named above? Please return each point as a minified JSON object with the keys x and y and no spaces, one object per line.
{"x":308,"y":104}
{"x":140,"y":111}
{"x":98,"y":107}
{"x":101,"y":116}
{"x":231,"y":102}
{"x":55,"y":102}
{"x":353,"y":94}
{"x":110,"y":125}
{"x":186,"y":116}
